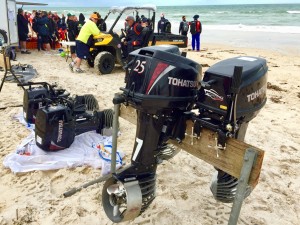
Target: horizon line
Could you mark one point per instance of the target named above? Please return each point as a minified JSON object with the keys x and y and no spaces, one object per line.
{"x":169,"y":5}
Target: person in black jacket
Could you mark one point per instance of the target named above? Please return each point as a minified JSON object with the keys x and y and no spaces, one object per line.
{"x":62,"y":22}
{"x":134,"y":37}
{"x":163,"y":25}
{"x":101,"y":23}
{"x":81,"y":21}
{"x":73,"y":31}
{"x":35,"y":28}
{"x":184,"y":26}
{"x":22,"y":30}
{"x":43,"y":30}
{"x":52,"y":26}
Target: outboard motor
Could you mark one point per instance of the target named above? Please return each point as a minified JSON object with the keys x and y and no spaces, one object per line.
{"x":232,"y":93}
{"x":61,"y":119}
{"x":162,"y":86}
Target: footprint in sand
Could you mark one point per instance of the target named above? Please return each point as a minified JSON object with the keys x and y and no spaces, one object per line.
{"x":217,"y":211}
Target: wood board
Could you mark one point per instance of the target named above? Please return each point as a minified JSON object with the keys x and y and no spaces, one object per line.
{"x":229,"y":160}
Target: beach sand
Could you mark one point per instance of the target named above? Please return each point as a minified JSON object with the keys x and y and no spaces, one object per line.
{"x":183,"y":195}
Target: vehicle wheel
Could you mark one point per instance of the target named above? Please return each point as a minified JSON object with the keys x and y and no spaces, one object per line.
{"x":3,"y":36}
{"x":104,"y":62}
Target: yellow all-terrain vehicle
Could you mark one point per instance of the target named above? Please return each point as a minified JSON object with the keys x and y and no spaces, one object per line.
{"x":106,"y":49}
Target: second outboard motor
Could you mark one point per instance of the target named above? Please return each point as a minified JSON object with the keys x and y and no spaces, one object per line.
{"x":162,"y":86}
{"x":232,"y":93}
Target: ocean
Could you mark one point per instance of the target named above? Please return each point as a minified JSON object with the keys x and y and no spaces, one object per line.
{"x":279,"y":18}
{"x":267,"y":26}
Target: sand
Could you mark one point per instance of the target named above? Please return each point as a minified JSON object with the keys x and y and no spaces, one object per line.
{"x":183,"y":195}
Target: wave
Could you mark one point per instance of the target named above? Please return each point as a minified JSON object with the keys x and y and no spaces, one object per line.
{"x":293,"y":12}
{"x":257,"y":28}
{"x":220,"y":12}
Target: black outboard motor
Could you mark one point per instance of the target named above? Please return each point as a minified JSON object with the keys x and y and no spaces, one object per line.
{"x":232,"y":93}
{"x":61,"y":119}
{"x":162,"y":86}
{"x":38,"y":90}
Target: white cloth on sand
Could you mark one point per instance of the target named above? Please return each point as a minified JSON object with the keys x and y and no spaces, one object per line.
{"x":84,"y":151}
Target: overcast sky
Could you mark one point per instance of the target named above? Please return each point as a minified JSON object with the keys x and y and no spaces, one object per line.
{"x":108,"y":3}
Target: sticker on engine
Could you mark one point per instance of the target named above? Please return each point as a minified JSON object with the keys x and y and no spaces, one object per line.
{"x":223,"y":107}
{"x":213,"y":95}
{"x":38,"y":139}
{"x":247,"y":58}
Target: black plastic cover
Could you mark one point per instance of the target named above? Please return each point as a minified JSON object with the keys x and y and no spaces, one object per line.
{"x":252,"y":90}
{"x":54,"y":128}
{"x":30,"y":107}
{"x":159,"y":77}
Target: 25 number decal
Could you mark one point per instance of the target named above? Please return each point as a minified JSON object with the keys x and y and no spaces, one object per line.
{"x":140,"y":66}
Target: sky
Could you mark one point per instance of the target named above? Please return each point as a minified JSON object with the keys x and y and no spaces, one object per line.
{"x":108,"y":3}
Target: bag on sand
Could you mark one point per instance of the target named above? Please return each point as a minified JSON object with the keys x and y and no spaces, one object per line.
{"x":11,"y":53}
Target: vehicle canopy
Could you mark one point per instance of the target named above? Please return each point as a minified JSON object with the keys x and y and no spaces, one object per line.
{"x":149,"y":10}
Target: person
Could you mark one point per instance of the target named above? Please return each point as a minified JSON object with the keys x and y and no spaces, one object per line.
{"x":145,"y":22}
{"x":163,"y":25}
{"x":68,"y":18}
{"x":81,"y":21}
{"x":62,"y":22}
{"x":53,"y":31}
{"x":35,"y":28}
{"x":134,"y":37}
{"x":82,"y":47}
{"x":183,"y":27}
{"x":195,"y":29}
{"x":43,"y":30}
{"x":147,"y":31}
{"x":22,"y":30}
{"x":72,"y":33}
{"x":101,"y":23}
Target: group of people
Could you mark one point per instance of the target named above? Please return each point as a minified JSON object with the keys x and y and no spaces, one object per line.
{"x":194,"y":26}
{"x":46,"y":26}
{"x":135,"y":30}
{"x":49,"y":28}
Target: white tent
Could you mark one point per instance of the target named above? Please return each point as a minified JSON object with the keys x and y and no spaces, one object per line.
{"x":8,"y":18}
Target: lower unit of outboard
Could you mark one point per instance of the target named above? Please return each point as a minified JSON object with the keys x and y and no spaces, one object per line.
{"x":60,"y":120}
{"x":232,"y":93}
{"x":162,"y":86}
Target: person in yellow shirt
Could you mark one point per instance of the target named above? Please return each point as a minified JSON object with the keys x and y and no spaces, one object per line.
{"x":82,"y":46}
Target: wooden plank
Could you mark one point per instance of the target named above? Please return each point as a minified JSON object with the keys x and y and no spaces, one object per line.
{"x":128,"y":113}
{"x":229,"y":160}
{"x":8,"y":65}
{"x":2,"y":64}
